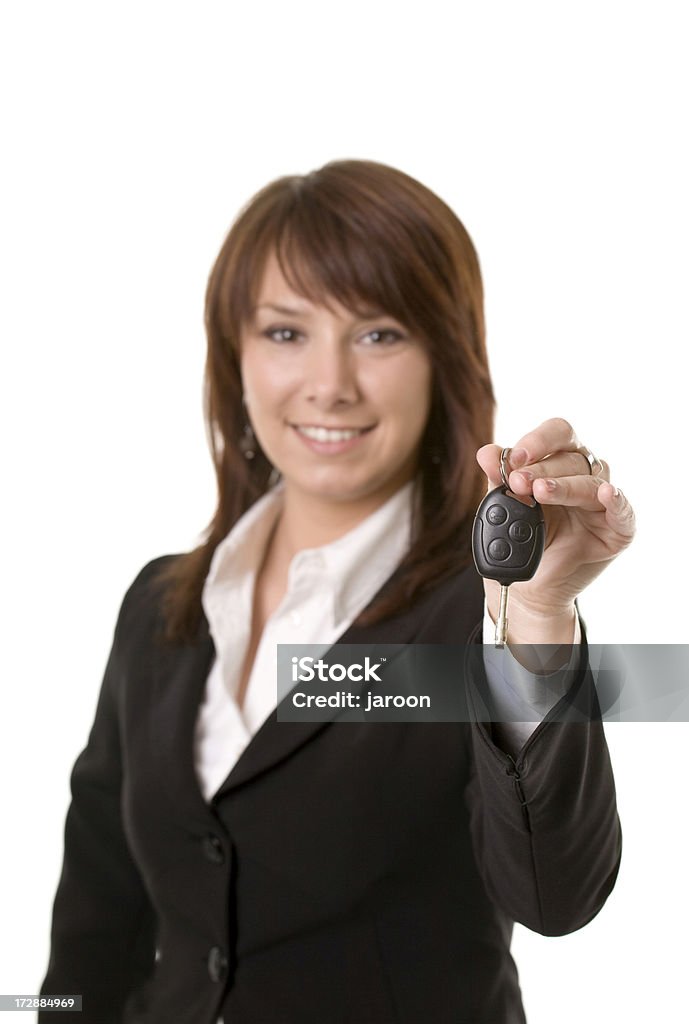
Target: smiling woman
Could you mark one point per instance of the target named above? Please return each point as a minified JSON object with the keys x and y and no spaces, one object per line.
{"x":339,"y":411}
{"x":224,"y":864}
{"x":349,"y":254}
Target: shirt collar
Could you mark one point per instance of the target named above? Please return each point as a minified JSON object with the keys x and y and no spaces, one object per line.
{"x":353,"y":567}
{"x":361,"y":560}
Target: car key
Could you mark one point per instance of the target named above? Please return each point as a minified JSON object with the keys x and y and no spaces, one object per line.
{"x":507,"y":542}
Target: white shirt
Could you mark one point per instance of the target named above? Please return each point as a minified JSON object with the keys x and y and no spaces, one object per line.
{"x":327,"y":587}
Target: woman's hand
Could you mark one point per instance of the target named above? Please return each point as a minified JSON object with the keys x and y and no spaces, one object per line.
{"x":588,"y":520}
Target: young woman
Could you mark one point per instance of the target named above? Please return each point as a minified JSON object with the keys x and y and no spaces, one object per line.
{"x":222,"y":864}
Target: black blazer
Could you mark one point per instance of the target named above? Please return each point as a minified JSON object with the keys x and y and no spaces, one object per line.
{"x":344,"y":873}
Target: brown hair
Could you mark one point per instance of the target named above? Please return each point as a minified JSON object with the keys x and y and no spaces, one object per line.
{"x":367,"y":235}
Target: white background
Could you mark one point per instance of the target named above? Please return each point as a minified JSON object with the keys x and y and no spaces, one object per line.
{"x":132,"y":133}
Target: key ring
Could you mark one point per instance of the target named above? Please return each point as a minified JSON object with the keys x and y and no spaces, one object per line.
{"x":504,"y":455}
{"x":591,"y":459}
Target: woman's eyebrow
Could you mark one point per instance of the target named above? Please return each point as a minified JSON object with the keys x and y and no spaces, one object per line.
{"x":285,"y":310}
{"x":363,"y":314}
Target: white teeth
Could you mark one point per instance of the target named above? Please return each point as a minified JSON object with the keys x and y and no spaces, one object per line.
{"x":322,"y":434}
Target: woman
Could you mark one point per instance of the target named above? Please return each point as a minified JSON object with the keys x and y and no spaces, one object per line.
{"x":222,"y":864}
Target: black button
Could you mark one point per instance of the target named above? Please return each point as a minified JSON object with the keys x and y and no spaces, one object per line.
{"x":217,"y":964}
{"x":499,"y":549}
{"x":213,"y":849}
{"x":520,"y":531}
{"x":496,"y":515}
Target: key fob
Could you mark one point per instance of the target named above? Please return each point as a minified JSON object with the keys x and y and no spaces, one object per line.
{"x":508,"y":537}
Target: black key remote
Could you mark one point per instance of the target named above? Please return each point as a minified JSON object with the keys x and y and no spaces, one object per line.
{"x":507,"y":541}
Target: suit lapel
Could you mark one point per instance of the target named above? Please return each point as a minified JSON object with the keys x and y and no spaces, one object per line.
{"x":276,"y":740}
{"x":179,"y":678}
{"x":181,"y":675}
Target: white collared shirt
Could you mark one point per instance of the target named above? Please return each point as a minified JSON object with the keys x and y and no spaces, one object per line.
{"x":327,"y":587}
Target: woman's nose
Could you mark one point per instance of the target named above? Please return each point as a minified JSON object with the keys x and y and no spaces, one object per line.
{"x":331,"y":374}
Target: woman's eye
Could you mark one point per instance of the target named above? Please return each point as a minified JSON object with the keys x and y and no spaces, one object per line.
{"x":281,"y":334}
{"x":384,"y":336}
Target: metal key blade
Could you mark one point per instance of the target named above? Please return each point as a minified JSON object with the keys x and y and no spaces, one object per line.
{"x":501,"y":624}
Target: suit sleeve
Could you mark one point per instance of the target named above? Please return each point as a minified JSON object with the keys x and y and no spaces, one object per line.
{"x":103,"y":926}
{"x":545,"y":828}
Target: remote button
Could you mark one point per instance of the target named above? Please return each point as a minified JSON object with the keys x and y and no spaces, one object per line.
{"x":520,"y":531}
{"x":499,"y":549}
{"x":496,"y":515}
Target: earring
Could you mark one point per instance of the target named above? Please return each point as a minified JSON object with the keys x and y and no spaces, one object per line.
{"x":434,"y":455}
{"x":247,"y":442}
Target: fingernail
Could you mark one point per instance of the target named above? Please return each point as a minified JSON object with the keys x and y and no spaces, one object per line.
{"x":550,"y":484}
{"x":615,"y":492}
{"x":518,"y":457}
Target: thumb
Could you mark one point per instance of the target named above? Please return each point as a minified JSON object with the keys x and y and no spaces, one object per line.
{"x":488,"y":458}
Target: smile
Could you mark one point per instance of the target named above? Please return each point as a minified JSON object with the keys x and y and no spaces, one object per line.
{"x":331,"y":441}
{"x":330,"y":434}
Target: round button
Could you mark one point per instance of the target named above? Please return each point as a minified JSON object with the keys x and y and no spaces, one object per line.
{"x":295,"y":618}
{"x":496,"y":515}
{"x":213,"y":849}
{"x":217,"y":964}
{"x":499,"y":549}
{"x":520,"y":531}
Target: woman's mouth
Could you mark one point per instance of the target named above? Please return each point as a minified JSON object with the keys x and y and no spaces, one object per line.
{"x":330,"y":440}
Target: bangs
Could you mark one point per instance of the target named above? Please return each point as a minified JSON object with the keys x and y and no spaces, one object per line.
{"x":327,"y":258}
{"x":362,"y":255}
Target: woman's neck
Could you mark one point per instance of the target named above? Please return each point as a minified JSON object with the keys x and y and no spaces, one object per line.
{"x":307,"y":521}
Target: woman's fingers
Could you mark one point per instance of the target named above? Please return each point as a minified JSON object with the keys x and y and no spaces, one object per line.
{"x":554,"y":435}
{"x":580,"y":491}
{"x":589,"y":520}
{"x":488,"y":458}
{"x":589,"y":494}
{"x":537,"y":456}
{"x":554,"y":466}
{"x":619,"y":511}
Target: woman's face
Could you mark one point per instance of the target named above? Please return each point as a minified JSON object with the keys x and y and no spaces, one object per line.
{"x":337,"y":401}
